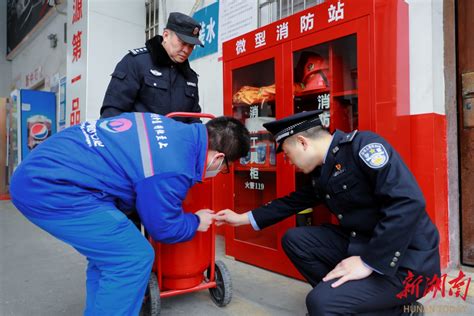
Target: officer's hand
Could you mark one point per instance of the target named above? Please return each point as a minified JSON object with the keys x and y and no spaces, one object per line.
{"x":352,"y":268}
{"x":206,"y":217}
{"x":230,"y":217}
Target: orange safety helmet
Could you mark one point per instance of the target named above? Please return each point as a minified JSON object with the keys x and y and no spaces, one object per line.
{"x":315,"y":74}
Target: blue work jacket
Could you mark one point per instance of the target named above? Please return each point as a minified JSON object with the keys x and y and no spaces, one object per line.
{"x":140,"y":160}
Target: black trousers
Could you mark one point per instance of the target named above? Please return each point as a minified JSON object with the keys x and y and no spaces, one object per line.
{"x":317,"y":250}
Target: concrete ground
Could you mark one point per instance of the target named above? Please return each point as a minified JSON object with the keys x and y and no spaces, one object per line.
{"x":40,"y":275}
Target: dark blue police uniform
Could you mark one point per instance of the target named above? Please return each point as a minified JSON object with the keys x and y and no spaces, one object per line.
{"x":382,"y":219}
{"x":147,"y":80}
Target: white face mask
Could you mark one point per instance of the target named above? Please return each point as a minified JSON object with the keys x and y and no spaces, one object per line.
{"x":213,"y":173}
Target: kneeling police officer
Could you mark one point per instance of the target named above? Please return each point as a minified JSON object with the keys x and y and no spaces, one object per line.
{"x":384,"y":232}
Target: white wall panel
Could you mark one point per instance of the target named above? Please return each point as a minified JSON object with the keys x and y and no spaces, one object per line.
{"x":426,"y":57}
{"x":210,"y":84}
{"x":114,"y":28}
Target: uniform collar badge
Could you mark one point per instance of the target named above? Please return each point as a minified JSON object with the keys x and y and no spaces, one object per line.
{"x":339,"y":170}
{"x":155,"y":73}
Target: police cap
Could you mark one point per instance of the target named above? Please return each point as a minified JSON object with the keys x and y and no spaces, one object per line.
{"x":185,"y":27}
{"x":291,"y":125}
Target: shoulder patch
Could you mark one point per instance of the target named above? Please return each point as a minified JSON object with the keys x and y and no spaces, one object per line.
{"x":374,"y":155}
{"x":349,"y":137}
{"x":138,"y":51}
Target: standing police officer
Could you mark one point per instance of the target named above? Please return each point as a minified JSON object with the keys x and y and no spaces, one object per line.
{"x":358,"y":266}
{"x":158,"y":78}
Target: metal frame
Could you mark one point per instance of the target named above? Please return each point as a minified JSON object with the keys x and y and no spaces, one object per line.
{"x":290,"y":8}
{"x":152,"y":18}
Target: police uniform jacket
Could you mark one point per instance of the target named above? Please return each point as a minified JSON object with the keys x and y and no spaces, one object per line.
{"x":147,"y":80}
{"x":376,"y":199}
{"x":132,"y":160}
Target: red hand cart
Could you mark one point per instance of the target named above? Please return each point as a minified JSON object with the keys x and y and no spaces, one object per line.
{"x":188,"y":266}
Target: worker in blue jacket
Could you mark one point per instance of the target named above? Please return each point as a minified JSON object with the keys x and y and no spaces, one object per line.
{"x":74,"y":184}
{"x":384,"y":232}
{"x":157,"y":78}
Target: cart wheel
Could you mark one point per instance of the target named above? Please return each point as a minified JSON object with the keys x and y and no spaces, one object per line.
{"x":222,"y":293}
{"x":151,"y":302}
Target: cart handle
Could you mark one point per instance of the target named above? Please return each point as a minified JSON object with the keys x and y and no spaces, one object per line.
{"x":191,"y":114}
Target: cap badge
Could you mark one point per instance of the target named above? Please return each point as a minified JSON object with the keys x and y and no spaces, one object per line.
{"x":195,"y":31}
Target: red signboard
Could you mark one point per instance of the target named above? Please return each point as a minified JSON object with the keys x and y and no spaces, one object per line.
{"x":314,"y":19}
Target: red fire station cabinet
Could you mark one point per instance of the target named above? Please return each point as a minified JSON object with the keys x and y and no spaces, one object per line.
{"x":348,"y":58}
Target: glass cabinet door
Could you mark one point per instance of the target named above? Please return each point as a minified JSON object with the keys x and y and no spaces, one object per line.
{"x":325,"y":78}
{"x":253,"y":103}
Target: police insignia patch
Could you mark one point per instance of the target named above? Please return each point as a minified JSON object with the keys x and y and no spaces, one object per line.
{"x":374,"y":155}
{"x":155,"y":73}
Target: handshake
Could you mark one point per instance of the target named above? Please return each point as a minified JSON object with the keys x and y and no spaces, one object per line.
{"x":227,"y":216}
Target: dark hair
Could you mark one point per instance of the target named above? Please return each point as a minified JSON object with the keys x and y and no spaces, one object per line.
{"x":228,"y":136}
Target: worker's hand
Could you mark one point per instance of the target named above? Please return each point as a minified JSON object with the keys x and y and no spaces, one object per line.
{"x":230,"y":217}
{"x":352,"y":268}
{"x":206,"y":217}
